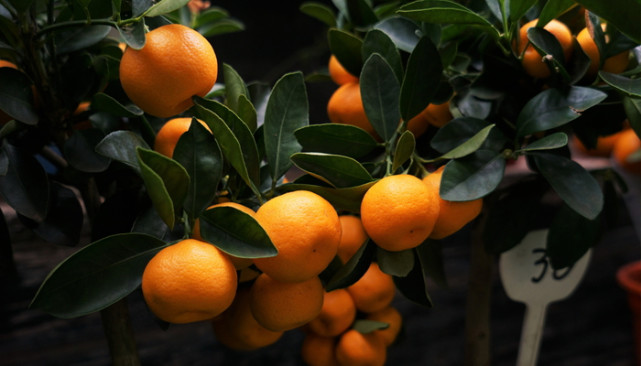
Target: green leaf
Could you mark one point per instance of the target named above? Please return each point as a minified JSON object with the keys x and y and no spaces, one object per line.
{"x":97,"y":275}
{"x":236,"y":233}
{"x":632,"y":108}
{"x":376,"y":41}
{"x":459,"y":130}
{"x":628,"y":86}
{"x":470,"y":146}
{"x":380,"y":92}
{"x":549,"y":142}
{"x":361,"y":13}
{"x":234,"y":88}
{"x":628,"y":21}
{"x":121,"y":146}
{"x":210,"y":15}
{"x":518,"y":8}
{"x":473,"y":176}
{"x":107,"y":103}
{"x":25,"y":185}
{"x":366,"y":326}
{"x":354,"y":269}
{"x":551,"y":108}
{"x":198,"y":152}
{"x":335,"y":138}
{"x":337,"y":170}
{"x":16,"y":96}
{"x":347,"y":199}
{"x":430,"y":255}
{"x":397,"y":264}
{"x":79,"y":38}
{"x":80,"y":151}
{"x":547,"y":44}
{"x":164,"y":7}
{"x":404,"y":150}
{"x":402,"y":31}
{"x":445,"y":12}
{"x":221,"y":26}
{"x":166,"y":182}
{"x":553,"y":9}
{"x":575,"y":185}
{"x":247,"y":113}
{"x":287,"y":110}
{"x":414,"y":285}
{"x":571,"y":235}
{"x":319,"y":11}
{"x":422,"y":78}
{"x":133,"y":34}
{"x":347,"y":49}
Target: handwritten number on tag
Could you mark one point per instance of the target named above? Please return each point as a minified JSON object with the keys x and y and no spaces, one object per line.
{"x":543,"y":261}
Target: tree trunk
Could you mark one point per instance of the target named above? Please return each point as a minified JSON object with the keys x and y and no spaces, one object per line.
{"x":120,"y":336}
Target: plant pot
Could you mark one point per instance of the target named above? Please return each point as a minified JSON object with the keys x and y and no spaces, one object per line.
{"x":629,"y":278}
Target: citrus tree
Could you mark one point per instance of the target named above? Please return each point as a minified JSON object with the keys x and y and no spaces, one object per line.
{"x":437,"y":100}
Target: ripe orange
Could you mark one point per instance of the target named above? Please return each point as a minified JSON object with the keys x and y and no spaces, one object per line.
{"x":305,"y":229}
{"x":237,"y":328}
{"x":337,"y":314}
{"x":358,"y":349}
{"x":532,"y":60}
{"x":614,"y":64}
{"x":5,"y":63}
{"x":188,"y":282}
{"x":374,"y":291}
{"x":627,"y":144}
{"x":239,"y":263}
{"x":281,"y":306}
{"x":399,"y":212}
{"x":346,"y":106}
{"x":391,"y":316}
{"x":352,"y":238}
{"x":175,"y":64}
{"x":318,"y":350}
{"x":338,"y":73}
{"x":436,"y":115}
{"x":169,"y":134}
{"x":452,"y":215}
{"x":603,"y":148}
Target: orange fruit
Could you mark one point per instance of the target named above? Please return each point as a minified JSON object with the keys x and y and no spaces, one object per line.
{"x":318,"y":350}
{"x":614,"y":64}
{"x":627,"y":144}
{"x":436,"y":115}
{"x":337,"y":314}
{"x":4,"y":118}
{"x":5,"y":63}
{"x":237,"y":328}
{"x":305,"y":229}
{"x":338,"y":73}
{"x":358,"y":349}
{"x":281,"y":306}
{"x":352,"y":238}
{"x":169,"y":134}
{"x":188,"y":282}
{"x":452,"y":215}
{"x":374,"y":291}
{"x":393,"y":318}
{"x":603,"y":148}
{"x":175,"y":64}
{"x":346,"y":106}
{"x":532,"y":60}
{"x":239,"y":263}
{"x":399,"y":212}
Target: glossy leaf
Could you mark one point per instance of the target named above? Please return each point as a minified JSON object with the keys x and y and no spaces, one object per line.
{"x":247,"y":113}
{"x":404,"y":150}
{"x":347,"y":49}
{"x":473,"y":176}
{"x":319,"y":11}
{"x":337,"y":170}
{"x":236,"y":233}
{"x":460,"y":130}
{"x":422,"y":78}
{"x":377,"y":41}
{"x":164,"y":7}
{"x":380,"y":92}
{"x":402,"y":31}
{"x":354,"y":269}
{"x":628,"y":86}
{"x":347,"y":199}
{"x":80,"y":37}
{"x":121,"y":146}
{"x":16,"y":97}
{"x":80,"y":151}
{"x":397,"y":264}
{"x":106,"y":103}
{"x":25,"y":186}
{"x":198,"y":152}
{"x":470,"y":146}
{"x":287,"y":110}
{"x":221,"y":26}
{"x":571,"y":235}
{"x":234,"y":88}
{"x":575,"y":185}
{"x":335,"y":138}
{"x":551,"y":108}
{"x":628,"y":21}
{"x":133,"y":34}
{"x":97,"y":275}
{"x":549,"y":142}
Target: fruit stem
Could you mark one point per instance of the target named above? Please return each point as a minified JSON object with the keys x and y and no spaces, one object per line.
{"x":120,"y":336}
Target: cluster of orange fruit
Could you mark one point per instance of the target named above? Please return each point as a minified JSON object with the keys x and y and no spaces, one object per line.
{"x":620,"y":146}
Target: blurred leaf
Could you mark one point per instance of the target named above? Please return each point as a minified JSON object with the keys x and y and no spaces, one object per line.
{"x":164,"y":6}
{"x":431,"y":257}
{"x":319,"y":11}
{"x":209,"y":15}
{"x":402,"y":31}
{"x":335,"y":138}
{"x":380,"y":92}
{"x":422,"y":78}
{"x":361,"y":13}
{"x":96,"y":276}
{"x":631,"y":87}
{"x":473,"y":176}
{"x":106,"y":103}
{"x":632,"y":108}
{"x":628,"y":21}
{"x":121,"y":146}
{"x":551,"y":108}
{"x":397,"y":264}
{"x":21,"y":5}
{"x":16,"y":96}
{"x":517,"y":9}
{"x":576,"y":186}
{"x":80,"y":151}
{"x":347,"y":199}
{"x":222,"y":26}
{"x":133,"y":34}
{"x":366,"y":326}
{"x":571,"y":235}
{"x":337,"y":170}
{"x":549,"y":142}
{"x":25,"y":186}
{"x":354,"y":269}
{"x":471,"y":145}
{"x":287,"y":110}
{"x":80,"y":37}
{"x":405,"y":147}
{"x":166,"y":182}
{"x":347,"y":49}
{"x":377,"y":41}
{"x":414,"y":285}
{"x":236,"y":233}
{"x":198,"y":152}
{"x":554,"y":9}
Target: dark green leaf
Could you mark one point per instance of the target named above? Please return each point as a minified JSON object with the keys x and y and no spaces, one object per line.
{"x":335,"y":138}
{"x":547,"y":44}
{"x":470,"y":146}
{"x":235,"y":232}
{"x":380,"y":92}
{"x":549,"y":142}
{"x":628,"y":21}
{"x":164,"y":7}
{"x":234,"y":88}
{"x":287,"y":110}
{"x":97,"y":275}
{"x":554,"y":9}
{"x":366,"y":326}
{"x":422,"y":78}
{"x":347,"y":49}
{"x":632,"y":108}
{"x":473,"y":176}
{"x":25,"y":186}
{"x":570,"y":237}
{"x":576,"y":186}
{"x":431,"y":258}
{"x":402,"y":31}
{"x":106,"y":103}
{"x":397,"y":264}
{"x":460,"y":130}
{"x":414,"y":285}
{"x":404,"y":150}
{"x":376,"y":41}
{"x":133,"y":34}
{"x":445,"y":12}
{"x":16,"y":96}
{"x":517,"y":9}
{"x":354,"y":269}
{"x":121,"y":146}
{"x":319,"y":11}
{"x":80,"y":151}
{"x":247,"y":113}
{"x":79,"y":38}
{"x":337,"y":170}
{"x":222,"y":26}
{"x":360,"y":13}
{"x":630,"y":87}
{"x":209,"y":15}
{"x":348,"y":199}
